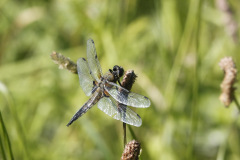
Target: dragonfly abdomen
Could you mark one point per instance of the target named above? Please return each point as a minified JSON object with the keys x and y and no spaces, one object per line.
{"x":91,"y":102}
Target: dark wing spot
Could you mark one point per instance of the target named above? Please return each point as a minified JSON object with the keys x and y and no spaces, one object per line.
{"x":90,"y":72}
{"x":92,"y":41}
{"x":138,"y":116}
{"x":84,"y":59}
{"x":95,"y":56}
{"x":145,"y":97}
{"x":119,"y":110}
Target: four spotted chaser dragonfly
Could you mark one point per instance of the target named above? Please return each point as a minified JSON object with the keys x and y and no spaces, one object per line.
{"x":112,"y":99}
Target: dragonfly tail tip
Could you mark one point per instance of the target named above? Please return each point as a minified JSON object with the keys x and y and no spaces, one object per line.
{"x":69,"y":124}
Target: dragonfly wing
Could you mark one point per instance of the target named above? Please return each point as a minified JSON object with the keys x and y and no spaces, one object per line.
{"x":85,"y":78}
{"x":119,"y":112}
{"x":123,"y":96}
{"x":93,"y":62}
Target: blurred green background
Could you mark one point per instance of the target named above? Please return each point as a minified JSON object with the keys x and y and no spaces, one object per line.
{"x":173,"y":46}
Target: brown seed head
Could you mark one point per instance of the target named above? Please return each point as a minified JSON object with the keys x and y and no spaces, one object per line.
{"x":131,"y":151}
{"x":128,"y":79}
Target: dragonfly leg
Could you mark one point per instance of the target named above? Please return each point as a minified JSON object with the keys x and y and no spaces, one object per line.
{"x":119,"y":83}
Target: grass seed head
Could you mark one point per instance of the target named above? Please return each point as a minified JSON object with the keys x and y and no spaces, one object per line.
{"x":230,"y":73}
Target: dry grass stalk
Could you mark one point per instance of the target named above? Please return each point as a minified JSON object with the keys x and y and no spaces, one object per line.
{"x":63,"y":62}
{"x":230,"y":71}
{"x":131,"y":151}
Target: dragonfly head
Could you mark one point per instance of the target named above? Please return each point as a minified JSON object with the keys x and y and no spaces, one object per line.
{"x":117,"y":71}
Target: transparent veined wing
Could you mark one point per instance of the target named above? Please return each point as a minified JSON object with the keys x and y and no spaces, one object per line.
{"x":123,"y":96}
{"x":119,"y":112}
{"x":93,"y":62}
{"x":85,"y":78}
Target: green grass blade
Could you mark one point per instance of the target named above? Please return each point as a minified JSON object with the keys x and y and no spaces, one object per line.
{"x":5,"y":137}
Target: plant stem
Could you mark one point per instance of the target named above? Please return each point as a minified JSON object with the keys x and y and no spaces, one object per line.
{"x":236,"y":102}
{"x":127,"y":83}
{"x":124,"y":135}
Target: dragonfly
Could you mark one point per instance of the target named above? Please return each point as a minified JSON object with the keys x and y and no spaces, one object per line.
{"x":112,"y":99}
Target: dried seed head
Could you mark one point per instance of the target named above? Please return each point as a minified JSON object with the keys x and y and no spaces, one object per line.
{"x":230,"y":71}
{"x":128,"y":79}
{"x":131,"y":151}
{"x":63,"y":62}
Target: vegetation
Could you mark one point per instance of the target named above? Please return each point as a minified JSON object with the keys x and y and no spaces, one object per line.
{"x":173,"y":46}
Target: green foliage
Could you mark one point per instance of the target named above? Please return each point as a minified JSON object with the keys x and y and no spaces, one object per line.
{"x":173,"y":46}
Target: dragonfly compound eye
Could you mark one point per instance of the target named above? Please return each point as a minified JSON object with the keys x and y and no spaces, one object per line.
{"x":118,"y":70}
{"x":115,"y":68}
{"x":121,"y":71}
